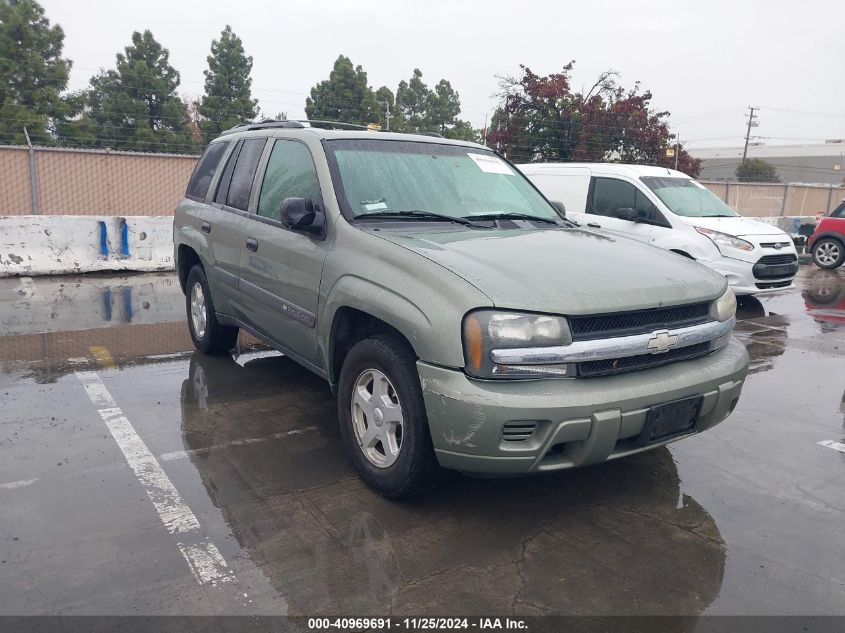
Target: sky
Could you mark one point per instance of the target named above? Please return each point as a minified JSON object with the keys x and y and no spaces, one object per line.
{"x":705,"y":62}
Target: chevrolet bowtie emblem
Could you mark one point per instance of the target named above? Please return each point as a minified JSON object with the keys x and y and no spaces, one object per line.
{"x":661,"y":342}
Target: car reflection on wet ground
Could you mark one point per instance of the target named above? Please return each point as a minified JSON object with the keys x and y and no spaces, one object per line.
{"x":744,"y":519}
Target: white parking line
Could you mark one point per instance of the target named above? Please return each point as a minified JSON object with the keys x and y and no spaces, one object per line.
{"x":204,"y":559}
{"x":837,"y":446}
{"x":17,"y":484}
{"x":169,"y":457}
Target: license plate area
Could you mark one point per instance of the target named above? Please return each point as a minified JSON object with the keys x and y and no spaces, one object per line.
{"x":670,"y":419}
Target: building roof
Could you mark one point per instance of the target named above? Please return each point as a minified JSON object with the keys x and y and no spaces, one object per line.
{"x":772,"y":151}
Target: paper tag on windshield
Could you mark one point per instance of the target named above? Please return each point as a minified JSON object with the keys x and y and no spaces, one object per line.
{"x":374,"y":205}
{"x":491,"y":164}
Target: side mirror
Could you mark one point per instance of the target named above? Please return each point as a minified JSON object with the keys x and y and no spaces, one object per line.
{"x":300,"y":214}
{"x":557,"y":204}
{"x":626,"y":213}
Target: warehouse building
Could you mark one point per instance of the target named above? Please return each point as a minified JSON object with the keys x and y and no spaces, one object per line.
{"x":821,"y":163}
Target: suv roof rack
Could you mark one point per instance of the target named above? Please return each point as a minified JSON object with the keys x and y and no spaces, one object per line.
{"x":324,"y":124}
{"x":334,"y":125}
{"x":267,"y":123}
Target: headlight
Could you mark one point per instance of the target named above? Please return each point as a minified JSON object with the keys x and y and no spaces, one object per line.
{"x":486,"y":330}
{"x":723,"y":239}
{"x":724,"y":308}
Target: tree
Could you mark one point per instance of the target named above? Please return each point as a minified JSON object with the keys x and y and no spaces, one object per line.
{"x":412,"y":101}
{"x":33,"y":73}
{"x":757,"y":170}
{"x":135,"y":106}
{"x":344,"y":96}
{"x":228,"y":96}
{"x":543,"y":119}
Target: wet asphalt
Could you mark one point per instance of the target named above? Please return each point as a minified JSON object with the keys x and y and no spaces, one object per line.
{"x":748,"y":518}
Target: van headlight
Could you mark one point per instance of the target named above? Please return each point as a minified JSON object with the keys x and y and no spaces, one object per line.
{"x":723,"y":239}
{"x":724,"y":308}
{"x":488,"y":330}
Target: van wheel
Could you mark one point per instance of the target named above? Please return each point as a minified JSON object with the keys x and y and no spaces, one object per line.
{"x":382,"y":417}
{"x":828,"y":253}
{"x":208,"y":335}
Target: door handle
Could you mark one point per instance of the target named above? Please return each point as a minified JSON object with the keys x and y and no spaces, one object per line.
{"x":252,"y":244}
{"x":594,"y":225}
{"x":206,"y":227}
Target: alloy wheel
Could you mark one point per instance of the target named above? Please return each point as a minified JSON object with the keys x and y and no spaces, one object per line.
{"x":377,"y":418}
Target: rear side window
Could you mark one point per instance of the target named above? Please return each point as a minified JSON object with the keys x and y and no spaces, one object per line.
{"x":244,"y":173}
{"x":205,"y":170}
{"x":290,"y":174}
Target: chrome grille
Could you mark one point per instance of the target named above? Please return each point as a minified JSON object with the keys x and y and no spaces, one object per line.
{"x":643,"y":361}
{"x":638,"y":322}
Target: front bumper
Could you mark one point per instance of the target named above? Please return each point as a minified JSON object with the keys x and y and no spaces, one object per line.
{"x":741,"y":277}
{"x":578,"y":421}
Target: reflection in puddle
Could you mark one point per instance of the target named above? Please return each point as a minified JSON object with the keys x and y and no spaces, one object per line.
{"x":618,"y":538}
{"x":824,"y":298}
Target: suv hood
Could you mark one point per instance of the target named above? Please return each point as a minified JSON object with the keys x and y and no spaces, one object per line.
{"x":563,"y":271}
{"x":737,"y":226}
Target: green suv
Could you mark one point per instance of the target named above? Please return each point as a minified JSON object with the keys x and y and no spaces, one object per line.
{"x":461,"y":319}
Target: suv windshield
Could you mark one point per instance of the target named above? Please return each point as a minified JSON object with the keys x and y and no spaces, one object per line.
{"x":686,"y":197}
{"x":389,"y":178}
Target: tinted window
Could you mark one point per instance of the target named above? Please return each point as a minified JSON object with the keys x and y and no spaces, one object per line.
{"x":838,"y":212}
{"x":610,"y":195}
{"x":205,"y":170}
{"x":290,"y":174}
{"x":242,"y":176}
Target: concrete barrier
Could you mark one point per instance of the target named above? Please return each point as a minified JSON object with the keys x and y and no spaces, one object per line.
{"x":62,"y":244}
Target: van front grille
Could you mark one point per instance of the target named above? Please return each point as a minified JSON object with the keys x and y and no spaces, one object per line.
{"x":639,"y":322}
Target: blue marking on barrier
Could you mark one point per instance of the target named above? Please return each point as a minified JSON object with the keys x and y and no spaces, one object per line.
{"x":124,"y":237}
{"x":104,"y":240}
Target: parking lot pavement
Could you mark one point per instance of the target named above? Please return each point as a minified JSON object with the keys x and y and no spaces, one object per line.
{"x":137,"y":477}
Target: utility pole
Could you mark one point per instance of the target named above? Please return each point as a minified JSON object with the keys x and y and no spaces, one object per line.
{"x":751,"y":123}
{"x":33,"y":178}
{"x":677,"y":150}
{"x":387,"y":114}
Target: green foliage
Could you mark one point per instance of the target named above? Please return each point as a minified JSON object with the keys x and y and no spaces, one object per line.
{"x":135,"y":106}
{"x":228,"y":96}
{"x":757,"y":170}
{"x":344,"y":96}
{"x":412,"y":101}
{"x":33,"y":73}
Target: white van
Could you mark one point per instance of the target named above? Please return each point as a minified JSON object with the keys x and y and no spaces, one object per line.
{"x":668,"y":209}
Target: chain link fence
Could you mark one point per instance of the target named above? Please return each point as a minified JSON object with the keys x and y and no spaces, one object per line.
{"x":63,"y":181}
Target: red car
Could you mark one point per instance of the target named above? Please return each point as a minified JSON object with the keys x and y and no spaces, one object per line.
{"x":827,"y":243}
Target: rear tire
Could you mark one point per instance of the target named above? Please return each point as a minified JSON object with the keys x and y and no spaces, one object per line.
{"x":828,"y":253}
{"x":382,"y":417}
{"x":208,"y":335}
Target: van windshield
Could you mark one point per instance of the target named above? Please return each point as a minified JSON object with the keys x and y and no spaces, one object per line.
{"x":409,"y":179}
{"x":688,"y":198}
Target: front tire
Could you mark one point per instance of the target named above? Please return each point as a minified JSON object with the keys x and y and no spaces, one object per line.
{"x":382,"y":417}
{"x":208,"y":335}
{"x":828,"y":253}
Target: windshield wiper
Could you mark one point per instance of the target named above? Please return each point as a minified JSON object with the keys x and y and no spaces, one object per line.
{"x":510,"y":216}
{"x":415,"y":214}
